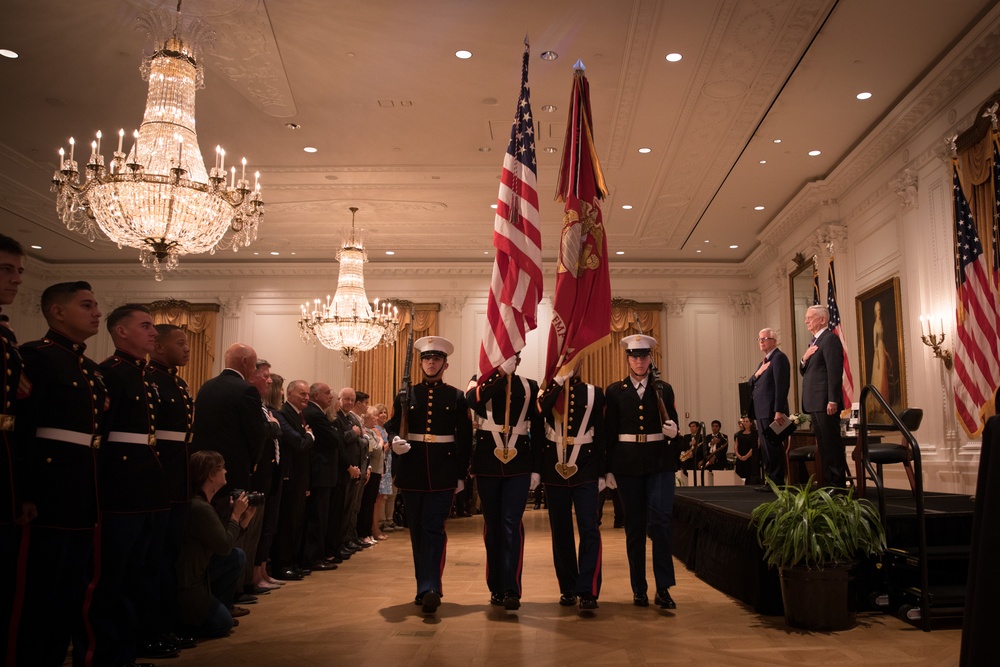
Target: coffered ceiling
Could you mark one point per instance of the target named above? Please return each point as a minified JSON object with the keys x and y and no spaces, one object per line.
{"x":414,"y":136}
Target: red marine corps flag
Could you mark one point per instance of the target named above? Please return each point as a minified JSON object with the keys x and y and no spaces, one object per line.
{"x":581,"y":312}
{"x":516,"y":286}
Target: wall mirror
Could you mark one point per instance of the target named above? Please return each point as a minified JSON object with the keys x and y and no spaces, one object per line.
{"x":802,"y":288}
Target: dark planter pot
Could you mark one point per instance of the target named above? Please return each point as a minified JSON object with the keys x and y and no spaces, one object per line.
{"x":822,"y":600}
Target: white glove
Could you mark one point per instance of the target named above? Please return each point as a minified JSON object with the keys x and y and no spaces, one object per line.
{"x":560,"y":379}
{"x":610,"y":481}
{"x":536,"y":479}
{"x":400,"y":446}
{"x":670,"y":428}
{"x":509,"y":365}
{"x":460,"y":486}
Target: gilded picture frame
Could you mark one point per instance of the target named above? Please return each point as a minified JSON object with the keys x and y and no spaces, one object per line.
{"x":882,"y":355}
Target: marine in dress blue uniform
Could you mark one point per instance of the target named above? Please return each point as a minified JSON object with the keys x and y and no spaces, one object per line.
{"x":134,"y":500}
{"x":60,"y":411}
{"x":430,"y":464}
{"x":11,"y":269}
{"x":501,"y":463}
{"x":578,"y":451}
{"x":174,"y":417}
{"x":642,"y":463}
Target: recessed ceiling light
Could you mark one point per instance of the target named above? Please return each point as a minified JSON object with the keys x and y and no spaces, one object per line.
{"x":550,"y":149}
{"x":486,"y":252}
{"x":275,"y":252}
{"x":697,"y":250}
{"x":390,"y":252}
{"x":777,"y":141}
{"x":310,"y":149}
{"x":619,"y":252}
{"x":627,"y":207}
{"x":36,"y":247}
{"x":256,"y":253}
{"x":758,"y":208}
{"x":814,"y":153}
{"x":762,"y":162}
{"x":706,"y":240}
{"x":674,"y":57}
{"x":549,"y":55}
{"x":863,"y":96}
{"x":293,"y":126}
{"x":645,"y":150}
{"x":493,"y":206}
{"x":293,"y":253}
{"x":548,"y":108}
{"x":7,"y":53}
{"x":485,"y":149}
{"x":733,"y":247}
{"x":463,"y":54}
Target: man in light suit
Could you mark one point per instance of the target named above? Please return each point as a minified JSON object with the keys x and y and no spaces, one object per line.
{"x":822,"y":369}
{"x":770,"y":402}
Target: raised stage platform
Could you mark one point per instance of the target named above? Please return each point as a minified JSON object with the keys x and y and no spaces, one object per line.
{"x":713,"y":538}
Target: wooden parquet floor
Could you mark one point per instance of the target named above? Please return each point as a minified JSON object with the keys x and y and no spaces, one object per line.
{"x":363,"y":614}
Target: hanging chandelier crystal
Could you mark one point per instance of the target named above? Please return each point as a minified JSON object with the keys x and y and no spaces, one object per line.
{"x":348,"y":322}
{"x":159,"y":197}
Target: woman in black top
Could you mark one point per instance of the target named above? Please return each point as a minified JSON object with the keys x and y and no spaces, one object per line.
{"x":747,"y":452}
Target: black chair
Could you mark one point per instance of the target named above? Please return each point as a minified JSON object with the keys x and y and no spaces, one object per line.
{"x":887,"y":453}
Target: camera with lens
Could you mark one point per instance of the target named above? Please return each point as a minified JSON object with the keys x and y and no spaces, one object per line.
{"x":254,"y":498}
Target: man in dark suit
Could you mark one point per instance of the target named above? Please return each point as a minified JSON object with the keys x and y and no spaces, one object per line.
{"x":822,"y":369}
{"x":770,"y":402}
{"x":296,"y":441}
{"x":641,"y":464}
{"x":326,"y":493}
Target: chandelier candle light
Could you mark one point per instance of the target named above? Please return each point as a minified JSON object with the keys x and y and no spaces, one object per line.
{"x":347,"y":322}
{"x":159,"y":197}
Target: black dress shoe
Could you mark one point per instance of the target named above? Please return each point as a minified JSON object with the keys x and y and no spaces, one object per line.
{"x":664,"y":600}
{"x":245,"y":598}
{"x":567,"y":600}
{"x":361,"y":545}
{"x":287,"y":575}
{"x":157,"y":650}
{"x":302,"y":571}
{"x":350,"y":548}
{"x":588,"y":603}
{"x":496,"y":599}
{"x":179,"y":642}
{"x":640,"y":600}
{"x":419,"y":600}
{"x":511,"y":602}
{"x":430,"y":602}
{"x":335,"y":559}
{"x":323,"y":566}
{"x":259,"y":590}
{"x":345,"y":554}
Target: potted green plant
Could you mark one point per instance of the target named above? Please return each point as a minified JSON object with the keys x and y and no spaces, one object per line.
{"x":814,"y":536}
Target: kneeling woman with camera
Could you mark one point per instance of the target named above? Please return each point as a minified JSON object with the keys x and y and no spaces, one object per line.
{"x":209,"y":565}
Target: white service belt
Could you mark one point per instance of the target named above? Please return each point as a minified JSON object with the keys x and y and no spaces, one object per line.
{"x":577,"y":440}
{"x":62,"y":435}
{"x":173,"y":436}
{"x":640,"y":437}
{"x":429,"y":437}
{"x":131,"y":438}
{"x":498,"y":428}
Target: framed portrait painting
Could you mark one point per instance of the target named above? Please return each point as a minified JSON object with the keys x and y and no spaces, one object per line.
{"x":880,"y":334}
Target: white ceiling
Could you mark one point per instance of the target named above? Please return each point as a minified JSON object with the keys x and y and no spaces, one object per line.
{"x":415,"y":137}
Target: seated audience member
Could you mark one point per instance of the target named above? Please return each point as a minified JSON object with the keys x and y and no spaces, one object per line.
{"x":209,"y":566}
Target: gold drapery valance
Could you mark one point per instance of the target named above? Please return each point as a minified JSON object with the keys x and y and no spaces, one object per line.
{"x":974,"y":161}
{"x":199,"y":321}
{"x":379,"y":372}
{"x":608,"y":364}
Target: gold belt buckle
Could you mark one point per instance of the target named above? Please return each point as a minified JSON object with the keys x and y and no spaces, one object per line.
{"x":96,"y":442}
{"x":152,"y":440}
{"x":6,"y":422}
{"x":570,"y":440}
{"x":429,"y":437}
{"x":640,"y":437}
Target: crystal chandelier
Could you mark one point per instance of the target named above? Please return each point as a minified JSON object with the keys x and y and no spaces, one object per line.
{"x":159,"y":197}
{"x":348,"y":322}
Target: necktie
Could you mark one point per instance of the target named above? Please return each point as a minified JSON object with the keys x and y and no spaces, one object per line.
{"x":641,"y":389}
{"x":813,"y":341}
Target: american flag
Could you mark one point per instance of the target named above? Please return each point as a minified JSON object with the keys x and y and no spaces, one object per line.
{"x":516,"y":285}
{"x":977,"y":363}
{"x":847,"y":386}
{"x":581,"y":309}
